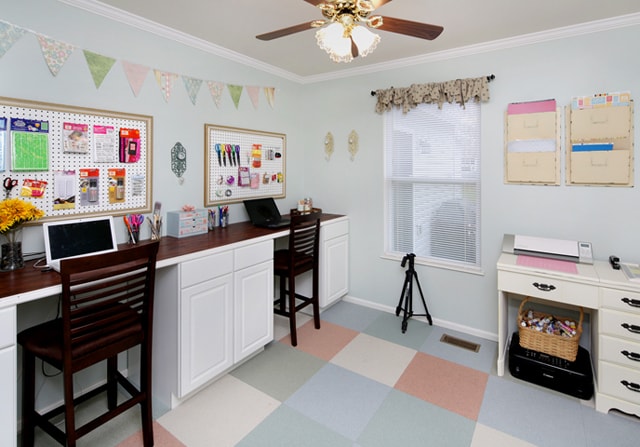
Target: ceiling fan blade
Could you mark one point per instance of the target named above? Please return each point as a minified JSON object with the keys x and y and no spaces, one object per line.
{"x":285,"y":31}
{"x":315,"y":2}
{"x":409,"y":28}
{"x":379,"y":3}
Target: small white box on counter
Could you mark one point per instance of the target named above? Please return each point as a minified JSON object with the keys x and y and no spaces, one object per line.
{"x":186,"y":223}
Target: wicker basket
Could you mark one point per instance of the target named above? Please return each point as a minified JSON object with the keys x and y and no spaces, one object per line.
{"x":555,"y":345}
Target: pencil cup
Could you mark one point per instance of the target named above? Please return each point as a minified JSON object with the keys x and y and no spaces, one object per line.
{"x":211,"y":221}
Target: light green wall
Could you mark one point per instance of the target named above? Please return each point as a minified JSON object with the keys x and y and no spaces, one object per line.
{"x":559,"y":69}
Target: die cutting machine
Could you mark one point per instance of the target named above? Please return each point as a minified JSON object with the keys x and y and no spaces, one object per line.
{"x":575,"y":251}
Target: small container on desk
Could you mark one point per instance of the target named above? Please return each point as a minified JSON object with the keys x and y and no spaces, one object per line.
{"x":187,"y":223}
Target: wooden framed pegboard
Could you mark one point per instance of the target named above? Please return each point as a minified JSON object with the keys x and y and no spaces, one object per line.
{"x":243,"y":164}
{"x":94,"y":162}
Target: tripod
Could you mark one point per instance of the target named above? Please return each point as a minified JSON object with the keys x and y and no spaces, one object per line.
{"x":407,"y":294}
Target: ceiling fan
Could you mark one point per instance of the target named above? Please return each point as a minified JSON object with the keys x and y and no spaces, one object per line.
{"x":344,"y":31}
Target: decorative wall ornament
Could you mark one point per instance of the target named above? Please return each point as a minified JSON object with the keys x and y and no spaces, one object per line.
{"x":179,"y":161}
{"x":328,"y":146}
{"x":353,"y":144}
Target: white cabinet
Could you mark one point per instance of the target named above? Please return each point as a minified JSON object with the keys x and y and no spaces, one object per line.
{"x":618,"y":365}
{"x":334,"y":262}
{"x":211,"y":312}
{"x":8,"y":415}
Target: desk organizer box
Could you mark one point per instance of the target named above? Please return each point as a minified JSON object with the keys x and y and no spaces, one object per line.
{"x":554,"y":335}
{"x":187,"y":223}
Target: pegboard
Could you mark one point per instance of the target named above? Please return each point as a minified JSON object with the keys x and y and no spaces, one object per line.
{"x":90,"y":165}
{"x":243,"y":164}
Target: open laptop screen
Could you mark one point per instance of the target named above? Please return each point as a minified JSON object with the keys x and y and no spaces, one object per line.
{"x":78,"y":237}
{"x":265,"y":213}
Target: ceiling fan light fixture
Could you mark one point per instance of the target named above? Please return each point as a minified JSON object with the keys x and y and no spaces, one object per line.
{"x":365,"y":40}
{"x":375,"y":21}
{"x":332,"y":39}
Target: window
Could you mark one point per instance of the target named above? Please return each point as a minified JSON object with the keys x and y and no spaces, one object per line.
{"x":432,"y":184}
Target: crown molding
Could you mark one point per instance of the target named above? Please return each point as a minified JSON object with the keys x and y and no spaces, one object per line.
{"x":96,"y":7}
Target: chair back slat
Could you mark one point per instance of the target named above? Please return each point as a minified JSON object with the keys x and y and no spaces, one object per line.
{"x":107,"y":301}
{"x":304,"y":238}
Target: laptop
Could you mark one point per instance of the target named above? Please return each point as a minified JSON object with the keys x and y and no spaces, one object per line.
{"x":78,"y":237}
{"x":265,"y":213}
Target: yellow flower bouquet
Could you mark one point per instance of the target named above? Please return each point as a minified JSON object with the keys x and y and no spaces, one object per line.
{"x":15,"y":212}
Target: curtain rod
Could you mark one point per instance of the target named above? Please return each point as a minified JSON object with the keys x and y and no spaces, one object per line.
{"x":490,"y":78}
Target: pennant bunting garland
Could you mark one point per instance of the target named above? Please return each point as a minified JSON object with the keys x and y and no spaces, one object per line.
{"x":192,"y":85}
{"x":253,"y":95}
{"x":236,"y":92}
{"x":165,"y":80}
{"x":9,"y":35}
{"x":98,"y":65}
{"x":136,"y":74}
{"x":55,"y":53}
{"x":216,"y":91}
{"x":270,"y":94}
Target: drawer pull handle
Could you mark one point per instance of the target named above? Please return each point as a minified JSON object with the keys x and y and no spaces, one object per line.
{"x":631,"y":302}
{"x":631,"y":328}
{"x":631,"y":386}
{"x":631,"y":355}
{"x":544,"y":287}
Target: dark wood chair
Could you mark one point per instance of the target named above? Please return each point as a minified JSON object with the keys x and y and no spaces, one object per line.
{"x":301,"y":256}
{"x":107,"y":308}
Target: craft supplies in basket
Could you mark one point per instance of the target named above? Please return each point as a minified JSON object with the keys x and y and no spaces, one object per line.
{"x":548,"y":333}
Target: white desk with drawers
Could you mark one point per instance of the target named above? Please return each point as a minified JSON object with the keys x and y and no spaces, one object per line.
{"x":614,"y":304}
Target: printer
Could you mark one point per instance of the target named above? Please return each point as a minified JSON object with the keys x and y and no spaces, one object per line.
{"x":575,"y":251}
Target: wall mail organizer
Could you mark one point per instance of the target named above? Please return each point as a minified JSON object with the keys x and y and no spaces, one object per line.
{"x":532,"y":143}
{"x":599,"y":147}
{"x":243,"y":164}
{"x":71,"y":161}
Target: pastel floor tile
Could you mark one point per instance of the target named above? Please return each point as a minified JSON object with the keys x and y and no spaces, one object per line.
{"x":325,"y":342}
{"x":403,"y":420}
{"x":350,"y":315}
{"x":483,"y":360}
{"x":454,"y":387}
{"x":339,"y":399}
{"x":161,"y":438}
{"x":219,"y":415}
{"x":484,"y":436}
{"x":375,"y":358}
{"x":389,"y":327}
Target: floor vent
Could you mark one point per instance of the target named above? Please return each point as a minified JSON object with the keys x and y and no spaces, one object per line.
{"x":475,"y":347}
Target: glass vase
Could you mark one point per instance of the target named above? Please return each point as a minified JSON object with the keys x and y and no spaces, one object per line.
{"x":11,"y":250}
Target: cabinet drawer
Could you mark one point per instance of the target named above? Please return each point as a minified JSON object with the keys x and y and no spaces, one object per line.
{"x":621,"y":300}
{"x":330,"y":231}
{"x":620,"y":324}
{"x":205,"y":268}
{"x":563,"y":291}
{"x":7,"y":327}
{"x":621,"y":351}
{"x":253,"y":254}
{"x":611,"y":382}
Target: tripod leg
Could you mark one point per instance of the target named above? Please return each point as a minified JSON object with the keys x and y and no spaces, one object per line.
{"x":404,"y":288}
{"x":427,"y":314}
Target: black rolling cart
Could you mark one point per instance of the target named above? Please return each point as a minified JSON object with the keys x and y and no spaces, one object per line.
{"x":405,"y":304}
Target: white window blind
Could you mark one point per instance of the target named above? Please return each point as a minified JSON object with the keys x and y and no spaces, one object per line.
{"x":432,"y":183}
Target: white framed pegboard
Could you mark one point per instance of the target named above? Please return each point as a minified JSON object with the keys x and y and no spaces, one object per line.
{"x":94,"y":162}
{"x":243,"y":164}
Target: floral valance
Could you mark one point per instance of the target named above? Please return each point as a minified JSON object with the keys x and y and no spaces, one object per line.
{"x":460,"y":91}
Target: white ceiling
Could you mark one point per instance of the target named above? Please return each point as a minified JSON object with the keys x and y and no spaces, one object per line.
{"x":229,"y":27}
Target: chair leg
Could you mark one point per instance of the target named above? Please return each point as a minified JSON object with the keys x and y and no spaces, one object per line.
{"x":112,"y":382}
{"x":315,"y":301}
{"x":281,"y":300}
{"x":146,"y":405}
{"x":28,"y":398}
{"x":69,"y":411}
{"x":292,"y":310}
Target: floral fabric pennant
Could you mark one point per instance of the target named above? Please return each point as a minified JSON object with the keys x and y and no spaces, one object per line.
{"x":98,"y":65}
{"x":55,"y":53}
{"x":270,"y":94}
{"x":192,"y":85}
{"x":236,"y":92}
{"x":253,"y":95}
{"x":165,"y":80}
{"x":9,"y":34}
{"x":215,"y":88}
{"x":136,"y":74}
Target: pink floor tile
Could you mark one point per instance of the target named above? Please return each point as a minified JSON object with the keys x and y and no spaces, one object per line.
{"x":449,"y":385}
{"x":161,"y":438}
{"x":324,"y":342}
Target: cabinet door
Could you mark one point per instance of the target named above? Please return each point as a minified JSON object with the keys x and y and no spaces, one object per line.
{"x":334,"y":269}
{"x":253,"y":309}
{"x":8,"y":392}
{"x":206,"y":343}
